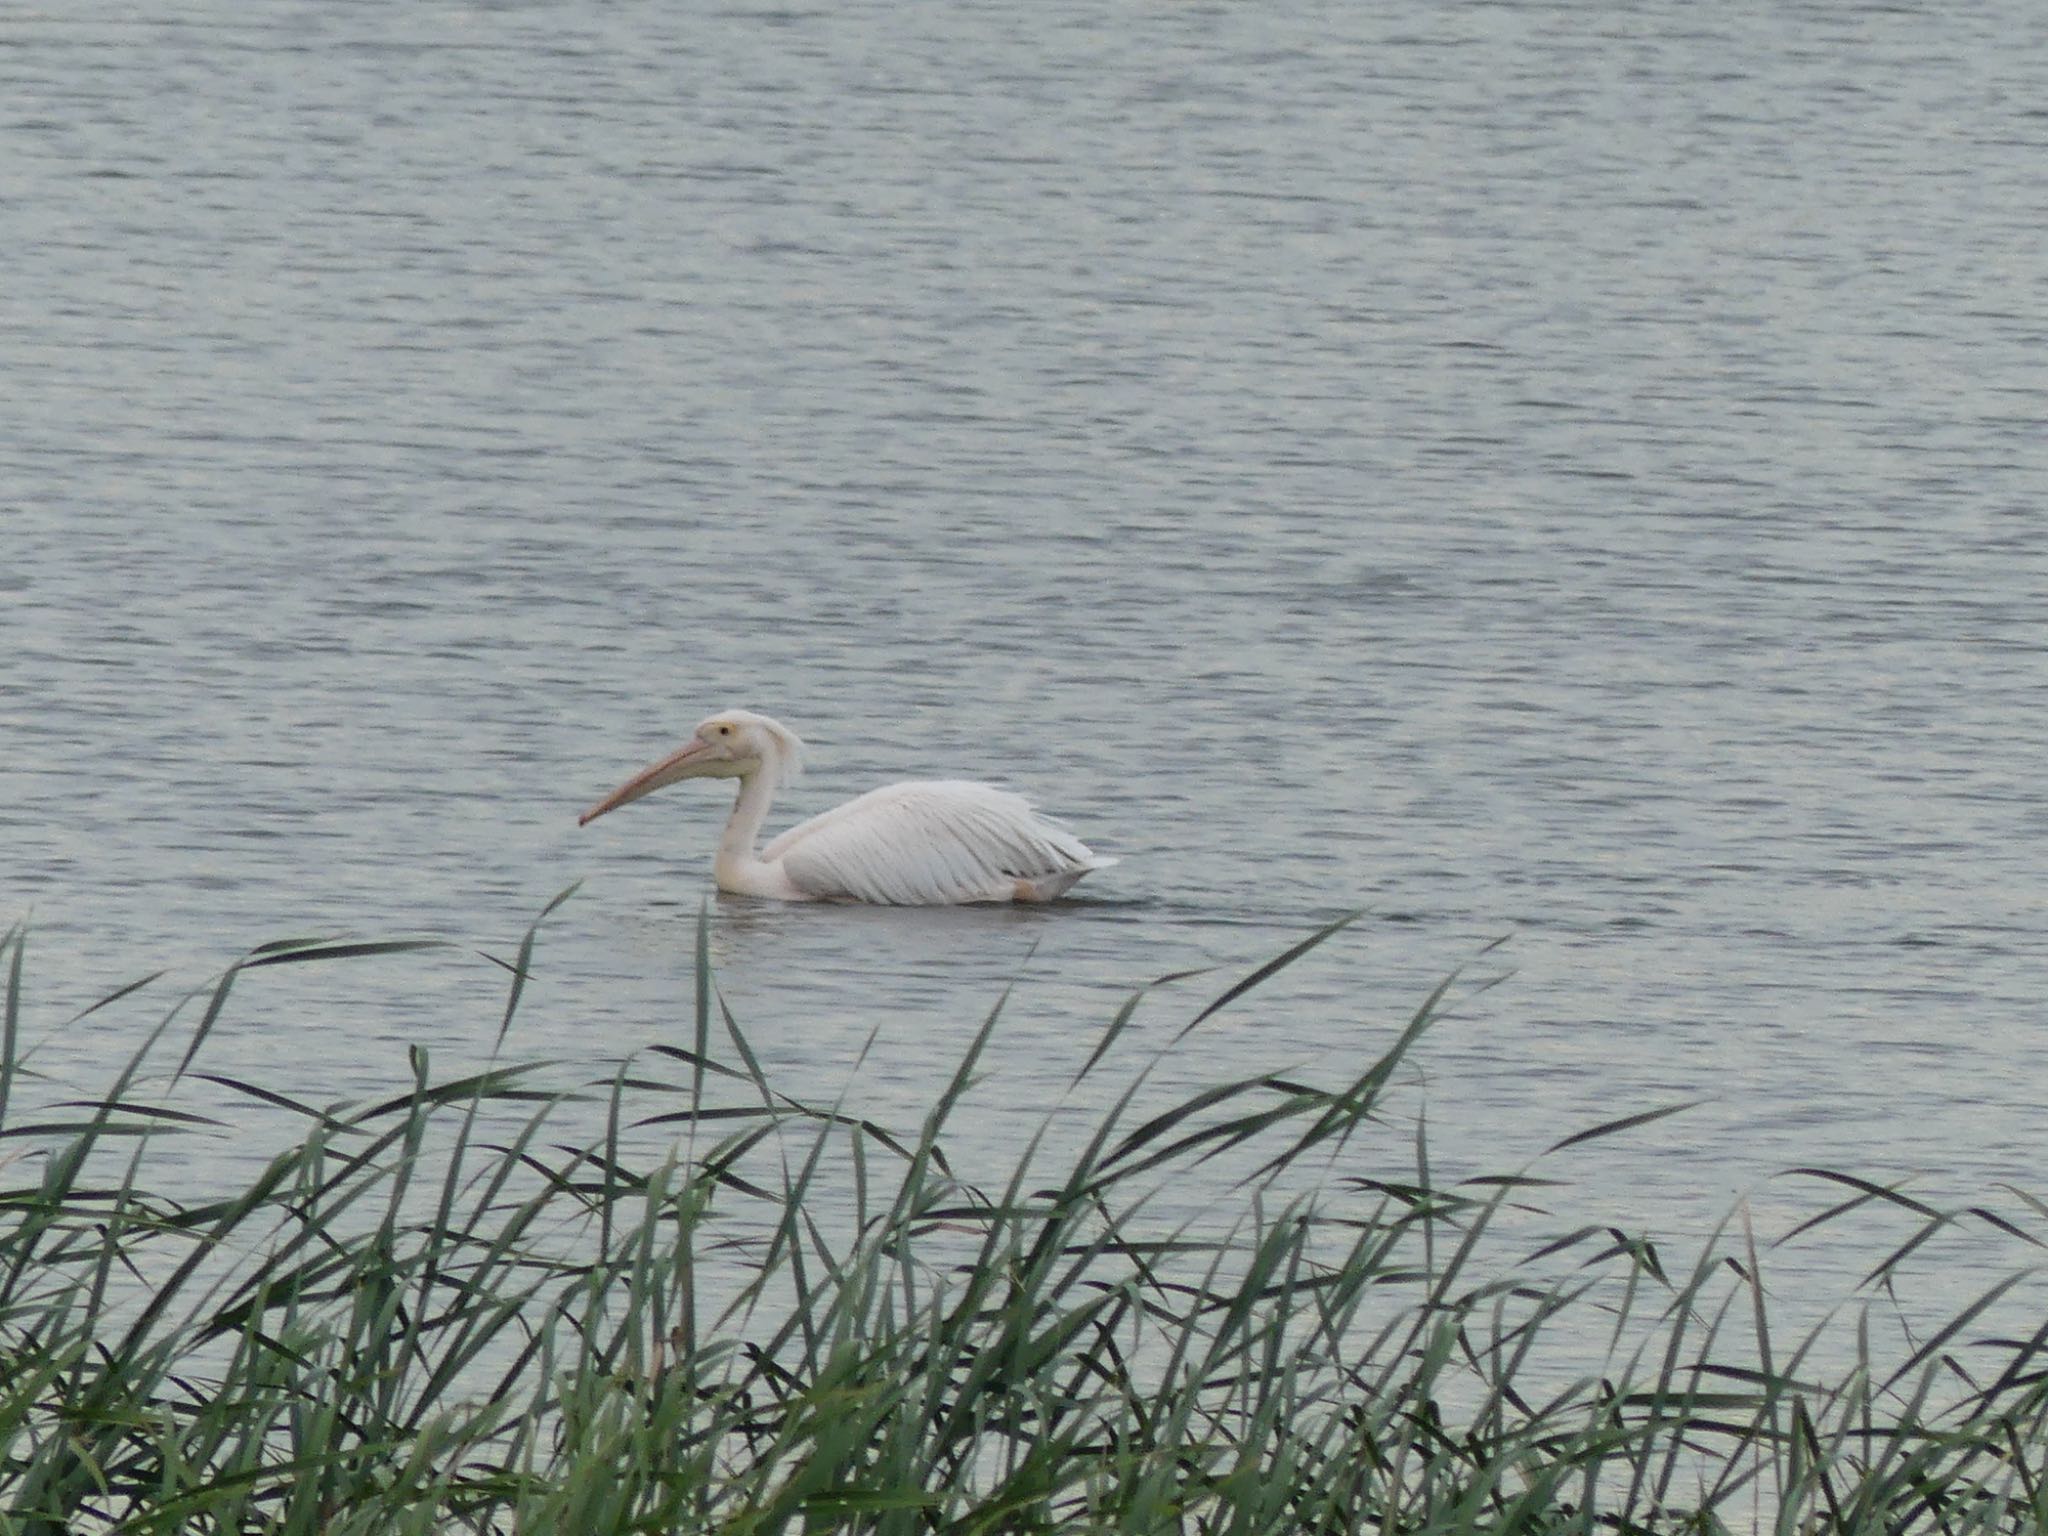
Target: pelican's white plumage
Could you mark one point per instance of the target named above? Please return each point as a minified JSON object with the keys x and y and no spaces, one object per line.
{"x":925,"y":842}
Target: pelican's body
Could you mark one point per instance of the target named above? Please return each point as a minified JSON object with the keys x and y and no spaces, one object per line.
{"x":924,"y":842}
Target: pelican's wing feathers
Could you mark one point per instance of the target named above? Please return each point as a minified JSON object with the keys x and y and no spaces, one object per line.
{"x":930,"y":842}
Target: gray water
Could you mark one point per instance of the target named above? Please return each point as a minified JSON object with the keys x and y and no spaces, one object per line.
{"x":1571,"y":473}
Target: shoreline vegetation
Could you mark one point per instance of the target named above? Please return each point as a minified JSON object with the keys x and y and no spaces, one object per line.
{"x":430,"y":1314}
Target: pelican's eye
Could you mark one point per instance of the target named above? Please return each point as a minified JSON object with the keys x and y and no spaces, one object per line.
{"x":725,"y":730}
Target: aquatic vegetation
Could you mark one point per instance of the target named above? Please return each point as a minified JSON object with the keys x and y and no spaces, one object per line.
{"x":428,"y":1314}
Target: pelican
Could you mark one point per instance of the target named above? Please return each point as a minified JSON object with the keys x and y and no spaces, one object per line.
{"x":924,"y":842}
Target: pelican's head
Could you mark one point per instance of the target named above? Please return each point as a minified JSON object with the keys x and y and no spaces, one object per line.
{"x":732,"y":744}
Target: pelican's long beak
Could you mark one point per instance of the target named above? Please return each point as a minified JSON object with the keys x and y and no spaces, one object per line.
{"x":686,"y":763}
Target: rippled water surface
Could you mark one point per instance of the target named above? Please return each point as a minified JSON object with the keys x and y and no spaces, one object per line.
{"x":1525,"y":469}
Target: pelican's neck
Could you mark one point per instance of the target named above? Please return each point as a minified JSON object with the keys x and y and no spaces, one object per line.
{"x":738,"y":868}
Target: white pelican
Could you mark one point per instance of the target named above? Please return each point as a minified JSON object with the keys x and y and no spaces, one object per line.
{"x":924,"y":842}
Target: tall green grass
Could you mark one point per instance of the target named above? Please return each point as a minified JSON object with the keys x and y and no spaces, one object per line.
{"x":430,"y":1314}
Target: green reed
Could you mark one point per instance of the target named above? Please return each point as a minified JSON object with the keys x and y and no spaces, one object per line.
{"x":429,"y":1314}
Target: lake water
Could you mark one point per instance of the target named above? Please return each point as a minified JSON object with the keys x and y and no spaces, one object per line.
{"x":1535,"y":470}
